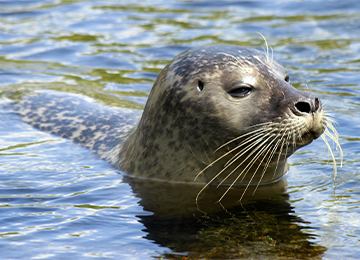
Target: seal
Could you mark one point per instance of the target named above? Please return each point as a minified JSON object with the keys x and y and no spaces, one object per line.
{"x":216,"y":115}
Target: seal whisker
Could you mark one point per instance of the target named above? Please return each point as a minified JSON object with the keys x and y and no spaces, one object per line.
{"x":329,"y":114}
{"x":274,"y":151}
{"x":270,"y":152}
{"x":270,"y":144}
{"x":236,"y":64}
{"x":253,"y":159}
{"x":215,"y":161}
{"x":200,"y":160}
{"x":264,"y":170}
{"x":260,"y":146}
{"x":207,"y":143}
{"x":227,"y":165}
{"x":282,"y":140}
{"x":299,"y":133}
{"x":247,"y":168}
{"x":334,"y":136}
{"x":219,"y":173}
{"x":287,"y":144}
{"x":244,"y":150}
{"x":249,"y":133}
{"x":332,"y":128}
{"x":236,"y":156}
{"x":239,"y":62}
{"x":332,"y":154}
{"x":293,"y":134}
{"x":229,"y":152}
{"x":267,"y":48}
{"x":239,"y":137}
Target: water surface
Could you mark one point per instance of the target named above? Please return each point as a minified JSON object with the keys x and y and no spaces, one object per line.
{"x":59,"y":201}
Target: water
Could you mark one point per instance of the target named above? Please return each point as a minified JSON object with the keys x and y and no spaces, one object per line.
{"x":59,"y":201}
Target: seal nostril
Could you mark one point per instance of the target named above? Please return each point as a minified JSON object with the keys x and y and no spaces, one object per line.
{"x":303,"y":107}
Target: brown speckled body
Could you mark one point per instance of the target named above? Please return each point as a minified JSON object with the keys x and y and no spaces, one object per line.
{"x":183,"y":125}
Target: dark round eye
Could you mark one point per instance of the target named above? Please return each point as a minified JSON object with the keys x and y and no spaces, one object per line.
{"x":287,"y":78}
{"x":200,"y":85}
{"x":241,"y":91}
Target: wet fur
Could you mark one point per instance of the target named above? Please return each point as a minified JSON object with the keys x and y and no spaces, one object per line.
{"x":187,"y":135}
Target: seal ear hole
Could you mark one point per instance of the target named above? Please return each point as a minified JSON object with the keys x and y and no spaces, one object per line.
{"x":200,"y":85}
{"x":287,"y":78}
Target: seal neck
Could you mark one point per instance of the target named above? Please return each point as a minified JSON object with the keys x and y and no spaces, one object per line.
{"x":158,"y":158}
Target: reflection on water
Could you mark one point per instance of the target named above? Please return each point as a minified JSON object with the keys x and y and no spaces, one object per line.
{"x":262,"y":226}
{"x":58,"y":201}
{"x":183,"y":199}
{"x":265,"y":230}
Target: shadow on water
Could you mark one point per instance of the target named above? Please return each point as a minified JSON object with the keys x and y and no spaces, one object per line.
{"x":263,"y":225}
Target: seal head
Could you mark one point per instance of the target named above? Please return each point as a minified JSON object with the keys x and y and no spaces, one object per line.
{"x":221,"y":114}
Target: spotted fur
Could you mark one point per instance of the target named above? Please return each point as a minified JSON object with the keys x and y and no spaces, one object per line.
{"x":189,"y":133}
{"x":182,"y":125}
{"x":75,"y":117}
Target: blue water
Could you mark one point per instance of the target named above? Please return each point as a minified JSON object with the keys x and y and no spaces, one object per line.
{"x":59,"y":201}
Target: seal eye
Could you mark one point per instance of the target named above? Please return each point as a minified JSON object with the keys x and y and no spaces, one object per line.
{"x":241,"y":91}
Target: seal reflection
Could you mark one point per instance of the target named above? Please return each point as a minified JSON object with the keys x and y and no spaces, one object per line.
{"x":263,"y":225}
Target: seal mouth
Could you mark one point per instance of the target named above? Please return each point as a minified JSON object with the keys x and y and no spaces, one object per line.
{"x":308,"y":137}
{"x":305,"y":139}
{"x":314,"y":132}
